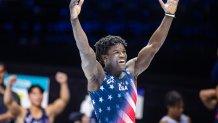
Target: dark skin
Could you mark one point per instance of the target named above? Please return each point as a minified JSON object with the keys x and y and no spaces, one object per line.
{"x":116,"y":58}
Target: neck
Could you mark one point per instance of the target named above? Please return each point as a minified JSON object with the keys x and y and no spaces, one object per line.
{"x":173,"y":116}
{"x":113,"y":71}
{"x":35,"y":108}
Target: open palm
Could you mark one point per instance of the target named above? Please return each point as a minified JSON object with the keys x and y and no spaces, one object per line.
{"x":170,"y":6}
{"x":11,"y":80}
{"x":75,"y":8}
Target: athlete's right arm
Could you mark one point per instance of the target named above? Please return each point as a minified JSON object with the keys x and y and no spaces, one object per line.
{"x":93,"y":71}
{"x":12,"y":105}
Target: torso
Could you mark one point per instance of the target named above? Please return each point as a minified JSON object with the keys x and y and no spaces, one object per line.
{"x":3,"y":108}
{"x":115,"y":100}
{"x":26,"y":117}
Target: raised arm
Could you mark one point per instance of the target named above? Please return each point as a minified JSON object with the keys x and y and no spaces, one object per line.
{"x":5,"y":116}
{"x":90,"y":65}
{"x":13,"y":107}
{"x":58,"y":106}
{"x":142,"y":61}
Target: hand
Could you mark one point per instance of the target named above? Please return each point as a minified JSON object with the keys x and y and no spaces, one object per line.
{"x":11,"y":80}
{"x":75,"y":8}
{"x":170,"y":6}
{"x":61,"y":77}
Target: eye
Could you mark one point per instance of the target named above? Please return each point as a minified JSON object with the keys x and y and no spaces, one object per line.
{"x":116,"y":52}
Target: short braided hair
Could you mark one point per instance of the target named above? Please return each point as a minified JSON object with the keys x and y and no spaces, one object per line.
{"x":105,"y":43}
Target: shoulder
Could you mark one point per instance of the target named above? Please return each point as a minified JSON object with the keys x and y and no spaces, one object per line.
{"x":130,"y":65}
{"x":164,"y":119}
{"x":186,"y":118}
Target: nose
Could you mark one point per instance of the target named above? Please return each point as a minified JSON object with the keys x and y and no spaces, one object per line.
{"x":122,"y":54}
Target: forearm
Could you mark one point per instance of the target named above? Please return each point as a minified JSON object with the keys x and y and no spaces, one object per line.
{"x":5,"y":116}
{"x":87,"y":54}
{"x":80,"y":36}
{"x":8,"y":96}
{"x":64,"y":92}
{"x":159,"y":36}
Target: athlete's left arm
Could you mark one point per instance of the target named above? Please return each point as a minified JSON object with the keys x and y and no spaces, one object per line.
{"x":145,"y":56}
{"x":58,"y":106}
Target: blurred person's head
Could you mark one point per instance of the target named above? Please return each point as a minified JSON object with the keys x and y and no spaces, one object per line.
{"x":2,"y":72}
{"x":174,"y":103}
{"x":36,"y":95}
{"x":77,"y":117}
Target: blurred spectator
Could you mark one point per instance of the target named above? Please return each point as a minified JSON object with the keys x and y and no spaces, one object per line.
{"x":175,"y":106}
{"x":36,"y":114}
{"x":86,"y":114}
{"x":5,"y":117}
{"x":209,"y":97}
{"x":77,"y":117}
{"x":86,"y":106}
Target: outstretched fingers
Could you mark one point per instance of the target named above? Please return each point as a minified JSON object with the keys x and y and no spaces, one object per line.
{"x":162,"y":4}
{"x":73,"y":3}
{"x":80,"y":2}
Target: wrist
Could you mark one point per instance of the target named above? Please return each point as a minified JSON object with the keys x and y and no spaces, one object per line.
{"x":63,"y":83}
{"x":170,"y":15}
{"x":73,"y":19}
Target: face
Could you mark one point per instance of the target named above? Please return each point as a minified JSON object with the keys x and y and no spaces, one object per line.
{"x":36,"y":97}
{"x":177,"y":110}
{"x":116,"y":57}
{"x":2,"y":73}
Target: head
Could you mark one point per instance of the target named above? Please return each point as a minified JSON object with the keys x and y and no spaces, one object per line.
{"x":174,"y":104}
{"x":78,"y":117}
{"x":36,"y":95}
{"x":2,"y":72}
{"x":111,"y":52}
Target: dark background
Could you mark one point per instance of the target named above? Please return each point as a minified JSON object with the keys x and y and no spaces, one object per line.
{"x":36,"y":38}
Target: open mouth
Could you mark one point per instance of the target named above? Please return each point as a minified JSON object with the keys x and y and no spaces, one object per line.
{"x":122,"y":62}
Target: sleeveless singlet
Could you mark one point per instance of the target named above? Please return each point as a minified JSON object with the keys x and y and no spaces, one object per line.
{"x":30,"y":119}
{"x":115,"y":100}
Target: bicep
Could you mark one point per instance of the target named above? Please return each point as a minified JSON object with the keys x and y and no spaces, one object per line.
{"x":89,"y":64}
{"x":56,"y":108}
{"x":144,"y":59}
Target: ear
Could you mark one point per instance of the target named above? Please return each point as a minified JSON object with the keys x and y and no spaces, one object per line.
{"x":104,"y":57}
